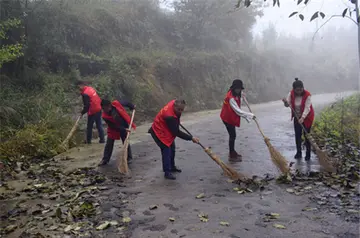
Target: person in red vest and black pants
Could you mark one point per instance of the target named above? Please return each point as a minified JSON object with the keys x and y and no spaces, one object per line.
{"x":300,"y":101}
{"x":164,"y":130}
{"x":117,"y":119}
{"x":92,"y":106}
{"x":231,"y":113}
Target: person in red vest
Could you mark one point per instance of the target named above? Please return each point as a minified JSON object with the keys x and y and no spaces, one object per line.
{"x":300,"y":101}
{"x":164,"y":130}
{"x":117,"y":119}
{"x":231,"y":113}
{"x":92,"y":106}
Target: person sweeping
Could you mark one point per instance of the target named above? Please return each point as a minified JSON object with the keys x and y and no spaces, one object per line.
{"x":300,"y":100}
{"x":92,"y":107}
{"x":164,"y":130}
{"x":231,"y":113}
{"x":117,"y":119}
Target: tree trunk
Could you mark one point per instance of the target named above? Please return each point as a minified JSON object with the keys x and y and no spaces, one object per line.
{"x":357,"y":20}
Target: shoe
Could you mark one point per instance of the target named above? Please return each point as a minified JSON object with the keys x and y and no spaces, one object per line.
{"x":102,"y":141}
{"x":103,"y":162}
{"x":169,"y":176}
{"x":176,"y":170}
{"x":234,"y":156}
{"x":307,"y":156}
{"x":298,"y":155}
{"x":129,"y":161}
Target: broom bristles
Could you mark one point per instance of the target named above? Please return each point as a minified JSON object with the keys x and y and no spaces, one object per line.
{"x":324,"y":159}
{"x":228,"y":171}
{"x":123,"y":166}
{"x":277,"y":158}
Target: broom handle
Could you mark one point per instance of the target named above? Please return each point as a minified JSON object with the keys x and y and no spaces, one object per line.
{"x":297,"y":118}
{"x":72,"y":130}
{"x":131,"y":122}
{"x":308,"y":136}
{"x":191,"y":135}
{"x":257,"y":123}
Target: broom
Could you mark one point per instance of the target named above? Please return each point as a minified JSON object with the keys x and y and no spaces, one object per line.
{"x":122,"y":162}
{"x":65,"y":144}
{"x":324,"y":159}
{"x":275,"y":155}
{"x":228,"y":171}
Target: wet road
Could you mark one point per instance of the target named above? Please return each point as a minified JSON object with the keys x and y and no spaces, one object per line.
{"x":244,"y":212}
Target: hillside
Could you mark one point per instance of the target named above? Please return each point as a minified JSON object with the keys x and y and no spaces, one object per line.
{"x":139,"y":51}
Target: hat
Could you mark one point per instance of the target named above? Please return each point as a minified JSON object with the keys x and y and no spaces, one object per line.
{"x":237,"y":83}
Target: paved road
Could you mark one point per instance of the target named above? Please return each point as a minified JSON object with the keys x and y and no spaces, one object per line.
{"x":201,"y":175}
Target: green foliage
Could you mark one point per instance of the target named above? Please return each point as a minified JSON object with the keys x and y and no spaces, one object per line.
{"x":338,"y":126}
{"x":35,"y":141}
{"x":9,"y":52}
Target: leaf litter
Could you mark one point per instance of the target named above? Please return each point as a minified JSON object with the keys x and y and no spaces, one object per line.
{"x":68,"y":202}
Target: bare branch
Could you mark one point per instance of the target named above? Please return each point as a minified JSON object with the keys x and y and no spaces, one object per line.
{"x":329,"y":20}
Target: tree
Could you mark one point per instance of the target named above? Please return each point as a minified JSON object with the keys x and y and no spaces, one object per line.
{"x":9,"y":52}
{"x":346,"y":13}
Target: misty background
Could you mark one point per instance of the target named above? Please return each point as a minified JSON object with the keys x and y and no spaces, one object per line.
{"x":151,"y":51}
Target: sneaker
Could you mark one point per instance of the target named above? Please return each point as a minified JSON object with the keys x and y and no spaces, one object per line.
{"x":169,"y":176}
{"x":308,"y":155}
{"x":298,"y":155}
{"x":234,"y":156}
{"x":103,"y":162}
{"x":176,"y":170}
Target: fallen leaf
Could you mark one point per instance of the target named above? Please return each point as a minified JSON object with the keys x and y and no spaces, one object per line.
{"x":224,"y":223}
{"x":352,"y":211}
{"x":38,"y":185}
{"x":10,"y":229}
{"x":171,"y":219}
{"x":114,"y":223}
{"x":153,"y":207}
{"x":308,"y":188}
{"x":290,"y":190}
{"x":52,"y":228}
{"x":103,"y":226}
{"x":309,"y":209}
{"x":279,"y":226}
{"x":203,"y":217}
{"x":249,"y":190}
{"x":241,"y":192}
{"x":68,"y":228}
{"x":126,"y":220}
{"x":230,"y":181}
{"x":236,"y":189}
{"x":201,"y":195}
{"x":274,"y":215}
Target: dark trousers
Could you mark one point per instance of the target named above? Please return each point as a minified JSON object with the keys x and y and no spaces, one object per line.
{"x":167,"y":153}
{"x":232,"y":136}
{"x":298,"y":134}
{"x":110,"y":146}
{"x":97,"y":119}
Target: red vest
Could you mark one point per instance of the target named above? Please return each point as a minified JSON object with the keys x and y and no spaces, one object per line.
{"x":111,"y":132}
{"x":227,"y":113}
{"x":159,"y":126}
{"x":95,"y":101}
{"x":308,"y":121}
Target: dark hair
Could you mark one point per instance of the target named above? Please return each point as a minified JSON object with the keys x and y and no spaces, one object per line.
{"x":180,"y":102}
{"x":105,"y":102}
{"x":80,"y":82}
{"x":298,"y":84}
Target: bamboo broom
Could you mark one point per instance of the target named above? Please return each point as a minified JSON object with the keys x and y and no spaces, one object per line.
{"x":65,"y":144}
{"x":324,"y":159}
{"x":228,"y":171}
{"x":122,"y":161}
{"x":277,"y":158}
